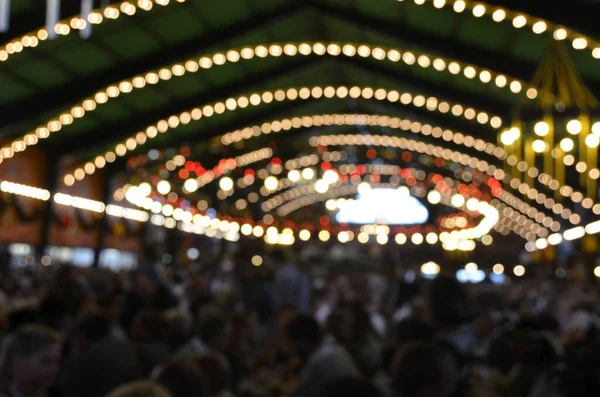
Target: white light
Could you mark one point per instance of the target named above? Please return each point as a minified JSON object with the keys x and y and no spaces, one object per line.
{"x":193,"y":254}
{"x":471,"y":267}
{"x":593,"y":228}
{"x":271,"y":183}
{"x":308,"y":173}
{"x":498,"y":268}
{"x":574,"y":233}
{"x":430,"y":268}
{"x":226,"y":184}
{"x":404,"y":191}
{"x":145,"y":189}
{"x":596,"y":128}
{"x":541,"y":128}
{"x":364,"y":188}
{"x":539,"y":146}
{"x":434,"y":197}
{"x":457,"y":200}
{"x":574,"y":127}
{"x":304,"y":235}
{"x":343,"y":237}
{"x":519,"y":270}
{"x":592,"y":141}
{"x":330,"y":176}
{"x":191,"y":185}
{"x":321,"y":186}
{"x":416,"y":238}
{"x":597,"y":271}
{"x":567,"y":144}
{"x":163,"y":187}
{"x":294,"y":176}
{"x":541,"y":243}
{"x":555,"y":239}
{"x":400,"y":239}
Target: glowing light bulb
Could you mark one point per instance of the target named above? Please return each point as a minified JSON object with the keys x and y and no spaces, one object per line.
{"x":539,"y":146}
{"x":574,"y":127}
{"x":567,"y":144}
{"x":321,"y":186}
{"x":271,"y":183}
{"x":163,"y":187}
{"x":226,"y":183}
{"x":541,"y":128}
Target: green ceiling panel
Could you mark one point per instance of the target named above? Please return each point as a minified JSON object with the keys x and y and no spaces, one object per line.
{"x":42,"y":74}
{"x":481,"y":33}
{"x":79,"y":127}
{"x":185,"y":86}
{"x":85,"y":59}
{"x":421,"y":18}
{"x":114,"y":111}
{"x":178,"y":25}
{"x":530,"y":47}
{"x":218,"y":16}
{"x":131,"y":43}
{"x":146,"y":99}
{"x":10,"y":90}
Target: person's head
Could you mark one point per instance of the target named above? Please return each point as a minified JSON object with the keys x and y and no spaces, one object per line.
{"x":304,"y":333}
{"x":212,"y":329}
{"x":424,"y":370}
{"x":217,"y":371}
{"x":140,"y":389}
{"x":349,"y":387}
{"x":30,"y":357}
{"x":149,"y":327}
{"x":446,"y":303}
{"x":182,"y":378}
{"x":92,"y":325}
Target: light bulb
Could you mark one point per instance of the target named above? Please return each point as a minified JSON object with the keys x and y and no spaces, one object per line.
{"x":574,"y":127}
{"x":541,"y":128}
{"x":226,"y":183}
{"x":539,"y":146}
{"x":567,"y":144}
{"x":271,"y":183}
{"x":163,"y":187}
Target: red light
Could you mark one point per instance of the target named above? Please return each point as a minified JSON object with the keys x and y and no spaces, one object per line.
{"x":249,"y":172}
{"x":183,"y":173}
{"x":371,"y":153}
{"x":200,"y":170}
{"x":185,"y":151}
{"x":326,"y":165}
{"x":406,"y":157}
{"x":189,"y":165}
{"x":276,"y":160}
{"x":375,"y":178}
{"x":324,"y":220}
{"x":231,"y":163}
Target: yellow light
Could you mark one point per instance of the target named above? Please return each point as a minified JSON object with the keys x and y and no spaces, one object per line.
{"x":430,"y":268}
{"x":416,"y":238}
{"x":145,"y":189}
{"x":271,"y":183}
{"x":431,"y":238}
{"x":519,"y":270}
{"x":321,"y":186}
{"x":400,"y":239}
{"x":304,"y":235}
{"x":457,"y":200}
{"x":343,"y":237}
{"x":596,"y":128}
{"x":597,"y":271}
{"x":539,"y":146}
{"x":257,"y":260}
{"x":592,"y":141}
{"x":541,"y":128}
{"x":519,"y":21}
{"x":324,"y":235}
{"x":459,"y":6}
{"x":560,"y":34}
{"x":226,"y":184}
{"x":580,"y":43}
{"x":574,"y":127}
{"x":382,"y":239}
{"x":498,"y":268}
{"x":567,"y":144}
{"x":163,"y":187}
{"x":479,"y":10}
{"x":499,"y":15}
{"x":539,"y":27}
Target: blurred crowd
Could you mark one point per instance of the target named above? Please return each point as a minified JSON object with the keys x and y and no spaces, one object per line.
{"x":271,"y":330}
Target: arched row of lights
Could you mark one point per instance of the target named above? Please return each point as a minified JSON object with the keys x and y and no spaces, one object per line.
{"x":431,"y":103}
{"x":289,"y":49}
{"x":76,"y":23}
{"x":417,"y":128}
{"x":383,"y":121}
{"x":289,"y":164}
{"x":518,"y":20}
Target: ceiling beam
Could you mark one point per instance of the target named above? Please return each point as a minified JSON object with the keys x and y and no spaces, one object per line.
{"x":65,"y":95}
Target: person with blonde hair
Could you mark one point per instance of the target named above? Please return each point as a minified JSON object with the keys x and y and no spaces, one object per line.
{"x":140,"y":388}
{"x":30,"y":362}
